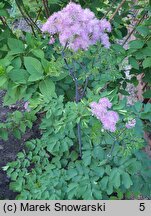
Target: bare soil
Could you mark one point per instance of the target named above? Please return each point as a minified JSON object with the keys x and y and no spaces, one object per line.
{"x":10,"y":148}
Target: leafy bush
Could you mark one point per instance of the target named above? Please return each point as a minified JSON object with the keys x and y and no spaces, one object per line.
{"x":75,"y":157}
{"x":112,"y":165}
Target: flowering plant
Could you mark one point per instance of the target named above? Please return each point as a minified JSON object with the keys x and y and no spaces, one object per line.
{"x":77,"y":28}
{"x":84,"y":149}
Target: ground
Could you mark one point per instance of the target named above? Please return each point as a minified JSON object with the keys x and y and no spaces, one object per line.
{"x":10,"y":148}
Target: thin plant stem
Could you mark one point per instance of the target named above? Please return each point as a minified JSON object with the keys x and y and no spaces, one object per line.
{"x":77,"y":99}
{"x":79,"y":139}
{"x":133,"y":29}
{"x":45,"y":4}
{"x":110,"y":135}
{"x":112,"y":149}
{"x":109,"y":9}
{"x":117,"y":9}
{"x":38,"y":14}
{"x":85,"y":87}
{"x":26,"y":16}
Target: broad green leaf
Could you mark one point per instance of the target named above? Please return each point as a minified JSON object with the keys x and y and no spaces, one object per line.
{"x":104,"y":182}
{"x":134,"y":63}
{"x":136,"y":44}
{"x":38,"y":53}
{"x":19,"y":76}
{"x":118,"y":48}
{"x":16,"y":186}
{"x":71,"y":190}
{"x":34,"y":68}
{"x":17,"y":133}
{"x":86,"y":157}
{"x":15,"y":45}
{"x":47,"y":88}
{"x":138,"y":106}
{"x":3,"y":80}
{"x":109,"y":188}
{"x":16,"y":63}
{"x":147,"y":107}
{"x":20,"y":155}
{"x":147,"y":94}
{"x":144,"y":30}
{"x":116,"y":180}
{"x":71,"y":173}
{"x":146,"y":51}
{"x":4,"y":13}
{"x":147,"y":62}
{"x":3,"y":134}
{"x":124,"y":92}
{"x":97,"y":194}
{"x":126,"y":180}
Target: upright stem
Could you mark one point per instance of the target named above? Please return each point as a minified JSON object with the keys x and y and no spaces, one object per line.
{"x":26,"y":16}
{"x":45,"y":4}
{"x":77,"y":99}
{"x":133,"y":30}
{"x":110,"y":8}
{"x":79,"y":139}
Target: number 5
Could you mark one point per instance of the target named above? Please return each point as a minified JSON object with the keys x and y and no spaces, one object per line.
{"x":142,"y":206}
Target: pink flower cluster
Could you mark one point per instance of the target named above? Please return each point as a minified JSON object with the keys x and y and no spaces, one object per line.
{"x":130,"y":124}
{"x":77,"y":27}
{"x":26,"y":106}
{"x":108,"y":118}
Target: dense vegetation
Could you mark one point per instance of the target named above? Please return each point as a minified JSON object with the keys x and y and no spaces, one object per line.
{"x":77,"y":154}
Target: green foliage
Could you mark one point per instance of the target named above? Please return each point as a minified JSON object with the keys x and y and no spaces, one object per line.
{"x":16,"y":123}
{"x":49,"y":167}
{"x":140,"y":52}
{"x":113,"y":165}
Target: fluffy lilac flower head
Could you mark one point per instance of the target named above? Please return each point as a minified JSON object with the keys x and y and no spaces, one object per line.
{"x":105,"y":25}
{"x":130,"y":124}
{"x":107,"y":118}
{"x":77,"y":27}
{"x":105,"y":102}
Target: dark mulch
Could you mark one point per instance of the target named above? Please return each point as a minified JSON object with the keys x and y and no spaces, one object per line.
{"x":10,"y":148}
